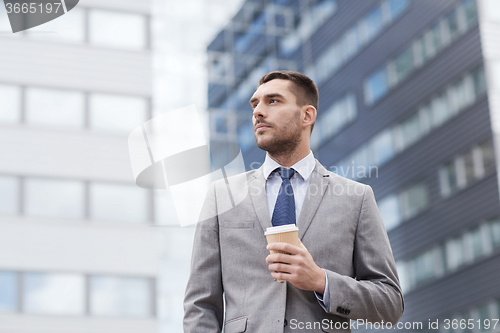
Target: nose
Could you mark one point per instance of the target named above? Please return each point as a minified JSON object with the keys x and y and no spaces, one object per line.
{"x":258,"y":111}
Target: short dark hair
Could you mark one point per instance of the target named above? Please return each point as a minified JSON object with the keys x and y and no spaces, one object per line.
{"x":303,"y":88}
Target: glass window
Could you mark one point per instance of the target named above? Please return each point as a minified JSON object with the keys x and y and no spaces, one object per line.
{"x":488,"y":157}
{"x":477,"y":156}
{"x":324,"y":9}
{"x":425,"y":120}
{"x":424,"y":267}
{"x":454,"y":253}
{"x":467,"y":88}
{"x":54,"y":107}
{"x":69,"y":27}
{"x":460,"y":168}
{"x":469,"y":167}
{"x":448,"y":179}
{"x":376,"y":86}
{"x":418,"y":47}
{"x":432,"y":41}
{"x":360,"y":158}
{"x":476,"y":242}
{"x":396,"y":7}
{"x":382,"y":147}
{"x":246,"y":137}
{"x":221,"y":124}
{"x":495,"y":233}
{"x":58,"y":198}
{"x":118,"y":202}
{"x":479,"y":81}
{"x":8,"y":291}
{"x":413,"y":200}
{"x":120,"y":296}
{"x":121,"y":30}
{"x":289,"y":44}
{"x":471,"y":11}
{"x":338,"y":115}
{"x":50,"y":293}
{"x":389,"y":210}
{"x":117,"y":113}
{"x":440,"y":110}
{"x":372,"y":24}
{"x":9,"y":195}
{"x":483,"y":314}
{"x":350,"y":43}
{"x":351,"y":107}
{"x":403,"y":276}
{"x":451,"y":25}
{"x":410,"y":130}
{"x":403,"y":64}
{"x":329,"y":61}
{"x":10,"y":107}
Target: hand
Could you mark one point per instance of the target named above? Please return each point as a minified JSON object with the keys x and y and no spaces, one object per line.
{"x":296,"y":267}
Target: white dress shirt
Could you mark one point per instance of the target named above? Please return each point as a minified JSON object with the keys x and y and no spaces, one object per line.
{"x":300,"y":182}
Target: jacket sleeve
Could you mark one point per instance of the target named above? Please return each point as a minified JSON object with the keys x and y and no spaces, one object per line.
{"x":203,"y":301}
{"x":375,"y":294}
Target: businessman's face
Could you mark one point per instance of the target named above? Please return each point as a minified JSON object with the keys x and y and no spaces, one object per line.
{"x":276,"y":117}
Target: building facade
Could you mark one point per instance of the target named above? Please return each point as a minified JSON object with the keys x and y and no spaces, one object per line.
{"x":408,"y":106}
{"x":77,"y":251}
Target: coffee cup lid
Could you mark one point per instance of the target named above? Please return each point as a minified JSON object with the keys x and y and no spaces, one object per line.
{"x":280,"y":229}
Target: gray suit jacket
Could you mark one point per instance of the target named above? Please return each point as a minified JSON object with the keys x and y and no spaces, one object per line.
{"x":340,"y":226}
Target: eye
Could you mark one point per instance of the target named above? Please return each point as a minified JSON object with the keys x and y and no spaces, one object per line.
{"x":272,"y":101}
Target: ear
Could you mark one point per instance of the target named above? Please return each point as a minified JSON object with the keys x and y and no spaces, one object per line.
{"x":310,"y":113}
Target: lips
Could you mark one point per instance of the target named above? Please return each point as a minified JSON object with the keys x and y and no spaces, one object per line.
{"x":261,"y":127}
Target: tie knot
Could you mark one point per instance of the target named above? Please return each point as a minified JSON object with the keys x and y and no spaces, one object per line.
{"x":286,"y":173}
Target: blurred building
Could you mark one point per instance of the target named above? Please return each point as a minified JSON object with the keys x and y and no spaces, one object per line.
{"x":181,"y":31}
{"x":406,"y":108}
{"x":77,"y":252}
{"x":82,"y":248}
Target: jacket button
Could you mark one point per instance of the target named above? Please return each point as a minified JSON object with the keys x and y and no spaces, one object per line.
{"x":286,"y":323}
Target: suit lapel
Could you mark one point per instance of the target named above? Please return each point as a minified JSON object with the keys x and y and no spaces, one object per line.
{"x":259,"y":199}
{"x":315,"y":192}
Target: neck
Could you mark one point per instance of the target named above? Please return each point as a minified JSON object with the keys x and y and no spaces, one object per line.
{"x":290,"y":158}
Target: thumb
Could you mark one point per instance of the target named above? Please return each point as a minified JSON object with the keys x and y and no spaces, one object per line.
{"x":302,"y":245}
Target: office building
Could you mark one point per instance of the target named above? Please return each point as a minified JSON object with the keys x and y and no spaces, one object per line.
{"x":77,"y":250}
{"x":408,"y":105}
{"x":82,"y":248}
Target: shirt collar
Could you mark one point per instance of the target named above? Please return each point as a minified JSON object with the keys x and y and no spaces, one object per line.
{"x":304,"y":167}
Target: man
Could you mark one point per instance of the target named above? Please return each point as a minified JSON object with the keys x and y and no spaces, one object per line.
{"x":343,"y":267}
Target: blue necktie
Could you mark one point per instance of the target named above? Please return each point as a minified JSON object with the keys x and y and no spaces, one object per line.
{"x":284,"y":209}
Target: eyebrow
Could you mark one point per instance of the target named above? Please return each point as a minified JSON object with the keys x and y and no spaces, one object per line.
{"x":274,"y":95}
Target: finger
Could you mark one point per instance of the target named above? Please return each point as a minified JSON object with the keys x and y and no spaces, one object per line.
{"x":281,"y":276}
{"x":279,"y":257}
{"x":301,"y":245}
{"x":279,"y":267}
